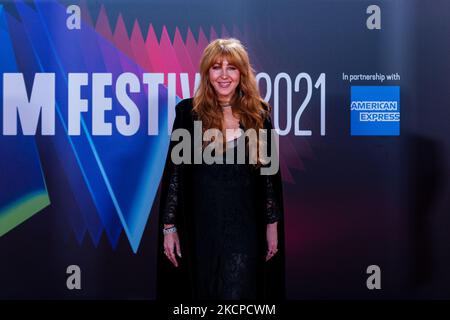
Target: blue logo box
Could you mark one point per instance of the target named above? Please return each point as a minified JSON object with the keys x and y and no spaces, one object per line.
{"x":375,"y":111}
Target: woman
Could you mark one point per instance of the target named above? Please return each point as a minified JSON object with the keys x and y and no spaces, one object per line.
{"x":221,"y":224}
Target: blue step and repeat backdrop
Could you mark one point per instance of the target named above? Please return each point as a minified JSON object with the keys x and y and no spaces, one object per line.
{"x":360,"y":96}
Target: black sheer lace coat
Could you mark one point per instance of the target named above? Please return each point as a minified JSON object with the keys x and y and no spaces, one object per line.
{"x":221,"y":212}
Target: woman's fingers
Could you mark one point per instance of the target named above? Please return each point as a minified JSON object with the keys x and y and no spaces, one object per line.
{"x":177,"y":247}
{"x":173,"y":259}
{"x":270,"y":254}
{"x":272,"y":240}
{"x":169,"y":252}
{"x":272,"y":250}
{"x":170,"y":243}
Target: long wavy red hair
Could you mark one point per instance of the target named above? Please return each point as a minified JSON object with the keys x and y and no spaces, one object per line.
{"x":248,"y":106}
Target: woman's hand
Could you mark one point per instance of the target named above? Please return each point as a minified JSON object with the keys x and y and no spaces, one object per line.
{"x":272,"y":240}
{"x":172,"y":245}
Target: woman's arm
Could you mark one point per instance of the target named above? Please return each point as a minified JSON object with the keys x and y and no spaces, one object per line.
{"x":171,"y":239}
{"x":272,"y":217}
{"x":170,"y":199}
{"x":272,"y":205}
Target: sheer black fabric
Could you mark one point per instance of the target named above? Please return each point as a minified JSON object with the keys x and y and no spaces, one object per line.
{"x":169,"y":213}
{"x":172,"y":200}
{"x":225,"y":213}
{"x":221,"y":212}
{"x":272,"y":207}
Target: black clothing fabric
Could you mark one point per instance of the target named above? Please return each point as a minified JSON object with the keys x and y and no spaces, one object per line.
{"x":221,"y":212}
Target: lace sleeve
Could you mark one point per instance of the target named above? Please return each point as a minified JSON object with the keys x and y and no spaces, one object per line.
{"x":171,"y":180}
{"x":272,"y":206}
{"x":170,"y":208}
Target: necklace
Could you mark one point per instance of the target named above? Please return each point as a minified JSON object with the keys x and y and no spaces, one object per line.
{"x":225,"y":105}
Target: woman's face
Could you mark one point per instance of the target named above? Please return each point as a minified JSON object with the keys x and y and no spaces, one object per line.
{"x":224,"y":78}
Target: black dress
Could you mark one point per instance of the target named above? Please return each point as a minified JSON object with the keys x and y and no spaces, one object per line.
{"x":222,"y":231}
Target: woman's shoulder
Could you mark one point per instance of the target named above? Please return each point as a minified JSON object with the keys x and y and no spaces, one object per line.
{"x":266,"y":111}
{"x":185,"y":105}
{"x":266,"y":106}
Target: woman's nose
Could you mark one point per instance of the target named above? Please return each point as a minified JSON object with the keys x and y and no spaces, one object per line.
{"x":224,"y":72}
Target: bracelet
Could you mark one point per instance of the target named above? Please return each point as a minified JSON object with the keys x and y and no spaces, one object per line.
{"x":169,"y":230}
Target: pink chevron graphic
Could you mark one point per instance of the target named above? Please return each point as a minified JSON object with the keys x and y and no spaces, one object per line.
{"x":212,"y":34}
{"x":137,"y":48}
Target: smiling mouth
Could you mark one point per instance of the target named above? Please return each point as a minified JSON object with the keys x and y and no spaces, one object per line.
{"x":224,"y":84}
